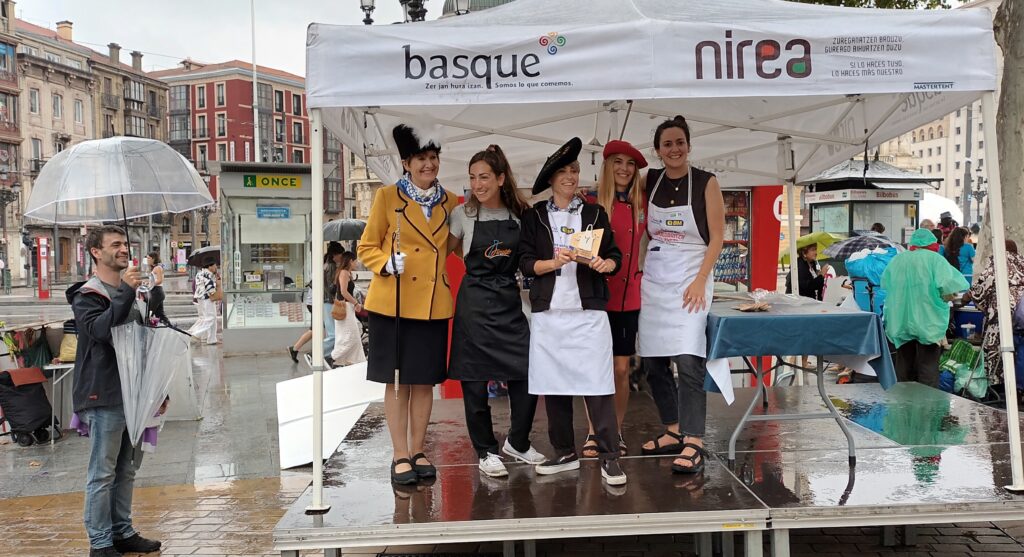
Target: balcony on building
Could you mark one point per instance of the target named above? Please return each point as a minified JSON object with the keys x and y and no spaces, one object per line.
{"x":9,"y":80}
{"x":179,"y":136}
{"x":10,"y":128}
{"x":298,"y":139}
{"x":201,"y":133}
{"x":110,"y":100}
{"x":154,"y":111}
{"x":35,"y":166}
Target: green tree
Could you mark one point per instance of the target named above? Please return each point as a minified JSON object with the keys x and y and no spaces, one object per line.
{"x":886,"y":4}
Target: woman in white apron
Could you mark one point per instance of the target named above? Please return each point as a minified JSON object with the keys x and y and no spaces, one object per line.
{"x":685,"y":222}
{"x":570,"y":339}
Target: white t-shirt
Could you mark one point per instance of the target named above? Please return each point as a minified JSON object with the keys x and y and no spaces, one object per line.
{"x":460,"y":224}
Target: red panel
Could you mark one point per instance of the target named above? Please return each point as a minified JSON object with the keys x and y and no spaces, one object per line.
{"x":764,"y":238}
{"x":456,"y":270}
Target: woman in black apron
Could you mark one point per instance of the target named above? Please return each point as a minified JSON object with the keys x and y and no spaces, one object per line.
{"x":490,"y":335}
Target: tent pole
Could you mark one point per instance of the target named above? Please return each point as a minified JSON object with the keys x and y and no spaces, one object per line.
{"x":995,"y":211}
{"x":785,"y":169}
{"x":316,"y":159}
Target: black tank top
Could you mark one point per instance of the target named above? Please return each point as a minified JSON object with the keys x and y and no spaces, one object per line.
{"x":668,"y":196}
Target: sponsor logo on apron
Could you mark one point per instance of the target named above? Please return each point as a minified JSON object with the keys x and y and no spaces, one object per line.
{"x":495,"y":250}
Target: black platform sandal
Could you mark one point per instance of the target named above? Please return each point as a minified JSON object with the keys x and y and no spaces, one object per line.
{"x":670,"y":448}
{"x":423,"y":470}
{"x":408,"y":477}
{"x":590,"y":448}
{"x":695,"y":466}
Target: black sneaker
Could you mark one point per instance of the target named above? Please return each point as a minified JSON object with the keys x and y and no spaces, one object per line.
{"x":136,"y":544}
{"x":559,"y":464}
{"x":612,"y":472}
{"x":108,"y":551}
{"x":294,"y":354}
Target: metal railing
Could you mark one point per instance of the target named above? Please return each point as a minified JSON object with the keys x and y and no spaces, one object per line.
{"x":154,"y":111}
{"x":111,"y":101}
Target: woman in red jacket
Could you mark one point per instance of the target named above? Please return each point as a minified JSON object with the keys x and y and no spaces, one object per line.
{"x":620,"y":193}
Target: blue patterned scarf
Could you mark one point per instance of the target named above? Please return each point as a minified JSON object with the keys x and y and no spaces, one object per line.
{"x":573,"y":207}
{"x":428,"y":198}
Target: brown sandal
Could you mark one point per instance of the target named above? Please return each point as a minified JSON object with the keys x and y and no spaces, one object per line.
{"x":590,"y":448}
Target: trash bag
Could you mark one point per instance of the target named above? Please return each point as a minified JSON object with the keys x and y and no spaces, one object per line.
{"x":968,"y":367}
{"x":147,"y":360}
{"x":947,"y":380}
{"x":868,"y":265}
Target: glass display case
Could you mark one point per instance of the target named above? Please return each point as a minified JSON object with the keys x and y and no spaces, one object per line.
{"x":260,"y":310}
{"x":733,"y":266}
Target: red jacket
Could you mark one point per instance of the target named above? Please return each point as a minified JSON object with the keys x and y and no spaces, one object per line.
{"x":624,"y":285}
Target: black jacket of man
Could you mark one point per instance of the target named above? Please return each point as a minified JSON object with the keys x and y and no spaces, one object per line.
{"x":97,"y":381}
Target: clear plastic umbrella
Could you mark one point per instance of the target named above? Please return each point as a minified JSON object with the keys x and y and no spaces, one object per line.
{"x":147,"y":359}
{"x":115,"y":179}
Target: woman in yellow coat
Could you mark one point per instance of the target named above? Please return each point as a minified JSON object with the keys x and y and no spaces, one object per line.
{"x":417,"y":209}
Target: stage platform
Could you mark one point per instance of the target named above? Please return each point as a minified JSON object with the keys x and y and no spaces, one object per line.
{"x":923,"y":457}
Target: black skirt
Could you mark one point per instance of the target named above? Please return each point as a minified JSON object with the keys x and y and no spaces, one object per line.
{"x":423,"y":345}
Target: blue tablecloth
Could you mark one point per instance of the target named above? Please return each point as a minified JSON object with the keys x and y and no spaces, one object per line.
{"x":789,"y":330}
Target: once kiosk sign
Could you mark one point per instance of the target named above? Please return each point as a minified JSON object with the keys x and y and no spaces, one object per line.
{"x":272,"y":181}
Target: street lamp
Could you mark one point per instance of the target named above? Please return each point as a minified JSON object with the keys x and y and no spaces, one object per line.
{"x":417,"y":9}
{"x":462,"y":7}
{"x":7,"y":196}
{"x":979,"y":192}
{"x":367,"y":6}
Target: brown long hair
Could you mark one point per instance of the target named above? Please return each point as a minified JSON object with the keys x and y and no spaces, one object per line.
{"x":606,"y":191}
{"x":954,"y":242}
{"x":509,"y":195}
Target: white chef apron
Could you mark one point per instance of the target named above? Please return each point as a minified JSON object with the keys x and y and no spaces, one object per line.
{"x":674,"y":256}
{"x":570,"y":347}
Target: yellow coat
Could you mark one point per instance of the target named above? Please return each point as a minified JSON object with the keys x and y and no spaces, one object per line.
{"x":425,"y":287}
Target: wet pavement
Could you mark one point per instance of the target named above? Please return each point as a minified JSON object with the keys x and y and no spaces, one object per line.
{"x":214,"y":488}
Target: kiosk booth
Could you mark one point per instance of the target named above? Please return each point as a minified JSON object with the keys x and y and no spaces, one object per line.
{"x":265,"y":253}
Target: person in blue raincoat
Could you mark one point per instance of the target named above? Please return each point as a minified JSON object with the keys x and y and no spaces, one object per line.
{"x":920,"y":283}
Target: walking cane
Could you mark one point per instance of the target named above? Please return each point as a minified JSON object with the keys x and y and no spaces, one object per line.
{"x":395,"y":247}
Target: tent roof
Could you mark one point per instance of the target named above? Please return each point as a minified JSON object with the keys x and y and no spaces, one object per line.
{"x":753,"y":78}
{"x":881,"y":174}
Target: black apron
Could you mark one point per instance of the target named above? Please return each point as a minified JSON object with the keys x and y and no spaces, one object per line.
{"x":490,"y":334}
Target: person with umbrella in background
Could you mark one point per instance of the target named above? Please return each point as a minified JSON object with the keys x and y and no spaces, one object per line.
{"x":99,"y":304}
{"x":205,"y":328}
{"x":405,"y":244}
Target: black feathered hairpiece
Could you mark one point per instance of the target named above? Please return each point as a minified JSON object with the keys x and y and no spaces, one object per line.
{"x":412,"y":141}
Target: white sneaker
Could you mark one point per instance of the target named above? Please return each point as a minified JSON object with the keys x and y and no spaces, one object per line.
{"x":492,"y":466}
{"x":531,"y":456}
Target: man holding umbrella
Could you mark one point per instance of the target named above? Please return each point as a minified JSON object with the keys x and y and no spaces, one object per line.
{"x":104,"y":301}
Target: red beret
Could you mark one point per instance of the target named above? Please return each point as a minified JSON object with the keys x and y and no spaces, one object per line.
{"x":619,"y":147}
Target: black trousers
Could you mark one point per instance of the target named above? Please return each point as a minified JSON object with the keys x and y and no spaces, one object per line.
{"x":685,"y":403}
{"x":478,"y":416}
{"x":918,"y":362}
{"x":156,"y":303}
{"x":601,"y":410}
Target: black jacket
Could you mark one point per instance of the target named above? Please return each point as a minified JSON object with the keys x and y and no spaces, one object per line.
{"x":810,"y":286}
{"x":97,"y":382}
{"x":537,"y":243}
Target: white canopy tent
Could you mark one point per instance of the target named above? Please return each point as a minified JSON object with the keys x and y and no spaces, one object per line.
{"x":772,"y":90}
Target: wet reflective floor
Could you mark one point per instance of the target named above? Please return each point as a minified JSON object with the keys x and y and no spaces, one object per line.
{"x":921,"y":453}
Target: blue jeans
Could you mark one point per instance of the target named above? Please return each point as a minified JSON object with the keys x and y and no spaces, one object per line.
{"x":111,"y":477}
{"x":328,"y":330}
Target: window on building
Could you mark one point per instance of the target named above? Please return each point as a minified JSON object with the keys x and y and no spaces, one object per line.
{"x":956,"y":148}
{"x":135,"y":126}
{"x":222,"y":152}
{"x":265,"y":95}
{"x":186,"y":225}
{"x":200,"y":96}
{"x":278,"y":101}
{"x":152,"y":132}
{"x":333,"y":195}
{"x":222,"y":125}
{"x":913,"y":136}
{"x":931,"y":133}
{"x":134,"y":91}
{"x":981,"y":145}
{"x":7,"y":54}
{"x":958,"y":185}
{"x":297,"y":133}
{"x":920,"y":153}
{"x":296,"y":104}
{"x":957,"y":131}
{"x":204,"y":225}
{"x":37,"y":148}
{"x":938,"y":150}
{"x":58,"y":106}
{"x":8,"y":109}
{"x":297,"y":156}
{"x":929,"y":169}
{"x":51,"y":57}
{"x":938,"y":167}
{"x":220,"y":94}
{"x":981,"y":126}
{"x":179,"y":128}
{"x":278,"y":154}
{"x":929,"y":151}
{"x":33,"y":101}
{"x":958,"y":199}
{"x":201,"y":158}
{"x":956,"y":165}
{"x":958,"y":113}
{"x":179,"y":97}
{"x":79,"y":111}
{"x":108,"y":85}
{"x":279,"y":130}
{"x":201,"y":129}
{"x":981,"y":163}
{"x":941,"y":132}
{"x":77,"y":64}
{"x":108,"y":125}
{"x":30,"y":50}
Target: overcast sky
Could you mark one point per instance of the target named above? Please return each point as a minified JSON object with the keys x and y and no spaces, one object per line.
{"x":168,"y":31}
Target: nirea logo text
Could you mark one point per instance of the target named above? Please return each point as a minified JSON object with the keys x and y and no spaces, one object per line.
{"x":765,"y":55}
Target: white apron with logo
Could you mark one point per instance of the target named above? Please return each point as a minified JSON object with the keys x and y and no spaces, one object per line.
{"x":674,"y":256}
{"x":570,"y":347}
